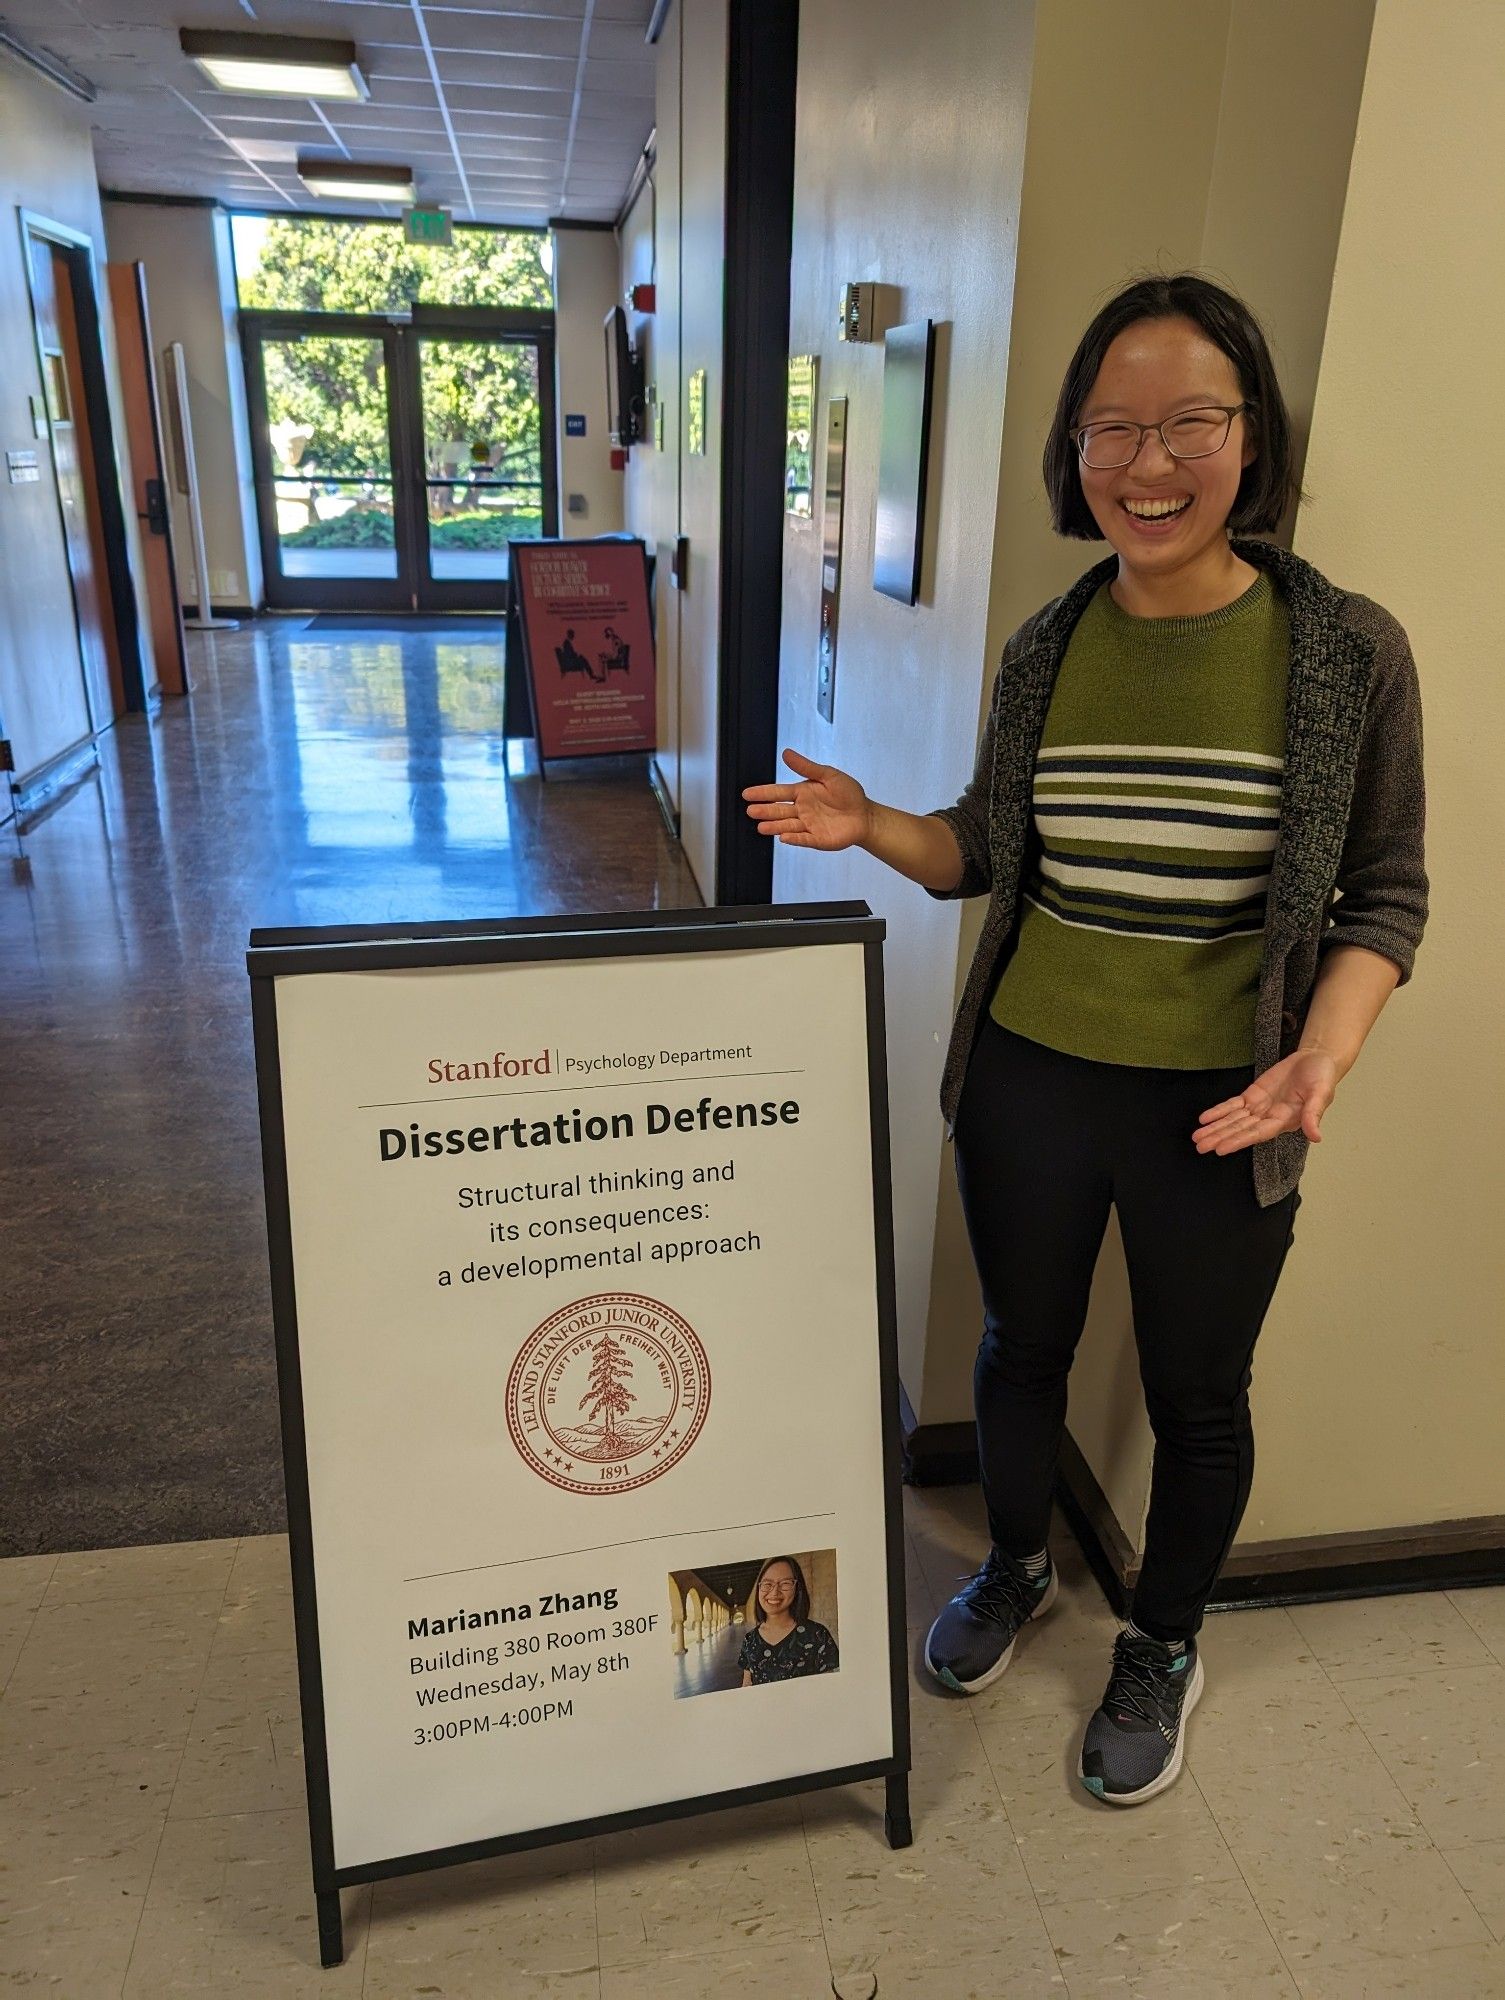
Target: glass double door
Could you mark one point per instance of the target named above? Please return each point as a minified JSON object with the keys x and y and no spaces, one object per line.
{"x":396,"y":460}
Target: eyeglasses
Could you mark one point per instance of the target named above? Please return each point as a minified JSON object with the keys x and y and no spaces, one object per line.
{"x":1193,"y":434}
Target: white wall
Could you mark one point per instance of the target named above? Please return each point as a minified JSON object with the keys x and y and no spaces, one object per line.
{"x":909,"y":155}
{"x":47,"y":166}
{"x":587,"y":284}
{"x":190,"y":290}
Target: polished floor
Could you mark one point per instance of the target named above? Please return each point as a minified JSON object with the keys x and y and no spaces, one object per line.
{"x":710,"y":1668}
{"x":312,"y":778}
{"x":1338,"y":1834}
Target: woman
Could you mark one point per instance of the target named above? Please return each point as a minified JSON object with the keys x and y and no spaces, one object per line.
{"x":1187,"y":754}
{"x":786,"y":1643}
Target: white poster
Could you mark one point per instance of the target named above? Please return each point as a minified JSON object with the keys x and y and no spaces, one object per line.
{"x":588,"y":1328}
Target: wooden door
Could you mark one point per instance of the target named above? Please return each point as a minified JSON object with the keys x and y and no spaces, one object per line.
{"x":67,"y":422}
{"x":148,"y":472}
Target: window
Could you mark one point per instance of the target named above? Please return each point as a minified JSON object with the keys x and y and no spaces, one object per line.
{"x":308,"y":263}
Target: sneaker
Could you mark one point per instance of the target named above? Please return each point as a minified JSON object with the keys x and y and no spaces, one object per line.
{"x":1135,"y":1742}
{"x":972,"y":1641}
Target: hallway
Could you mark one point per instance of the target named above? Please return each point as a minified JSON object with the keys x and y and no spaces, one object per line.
{"x":311,"y":778}
{"x":709,"y":1666}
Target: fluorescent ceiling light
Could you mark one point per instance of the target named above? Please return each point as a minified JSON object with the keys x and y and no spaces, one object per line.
{"x":356,"y":180}
{"x":275,"y":65}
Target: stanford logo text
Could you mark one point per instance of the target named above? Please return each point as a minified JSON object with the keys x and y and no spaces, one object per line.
{"x":497,"y":1065}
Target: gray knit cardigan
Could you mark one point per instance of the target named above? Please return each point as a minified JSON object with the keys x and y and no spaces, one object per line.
{"x":1348,"y":865}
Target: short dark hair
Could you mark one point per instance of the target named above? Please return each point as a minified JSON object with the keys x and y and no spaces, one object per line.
{"x":1269,"y":482}
{"x":799,"y":1610}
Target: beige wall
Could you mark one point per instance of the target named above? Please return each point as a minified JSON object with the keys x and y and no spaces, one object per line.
{"x":1381,"y":1381}
{"x":909,"y":153}
{"x":190,"y":291}
{"x":47,"y":166}
{"x":587,"y":284}
{"x":1254,"y":200}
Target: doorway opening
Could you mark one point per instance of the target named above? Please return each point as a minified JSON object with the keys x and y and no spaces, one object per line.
{"x":401,"y":399}
{"x":395,"y":459}
{"x":73,"y":415}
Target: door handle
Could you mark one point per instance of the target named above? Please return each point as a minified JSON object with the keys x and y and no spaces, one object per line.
{"x":155,"y":516}
{"x":679,"y":565}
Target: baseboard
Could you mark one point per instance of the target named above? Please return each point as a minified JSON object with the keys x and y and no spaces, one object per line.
{"x":1372,"y":1562}
{"x":44,"y":786}
{"x":665,"y":804}
{"x":221,"y":611}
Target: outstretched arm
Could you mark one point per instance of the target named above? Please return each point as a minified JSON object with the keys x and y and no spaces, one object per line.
{"x":829,"y":810}
{"x":1353,"y":984}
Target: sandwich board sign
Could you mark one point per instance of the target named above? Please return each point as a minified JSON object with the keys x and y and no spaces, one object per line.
{"x":582,"y":1280}
{"x":587,"y":636}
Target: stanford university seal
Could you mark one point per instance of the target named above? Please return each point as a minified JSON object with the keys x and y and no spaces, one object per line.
{"x":608,"y":1393}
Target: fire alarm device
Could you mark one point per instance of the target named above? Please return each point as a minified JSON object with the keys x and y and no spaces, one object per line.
{"x":857,"y":303}
{"x":642,"y":298}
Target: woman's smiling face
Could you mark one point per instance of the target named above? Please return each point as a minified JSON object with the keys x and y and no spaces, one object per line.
{"x":1154,"y":370}
{"x":776,"y":1590}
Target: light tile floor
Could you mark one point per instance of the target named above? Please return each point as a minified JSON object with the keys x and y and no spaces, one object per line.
{"x":1340,"y":1829}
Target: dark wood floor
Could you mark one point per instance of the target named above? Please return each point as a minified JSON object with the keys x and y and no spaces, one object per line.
{"x":311,"y":778}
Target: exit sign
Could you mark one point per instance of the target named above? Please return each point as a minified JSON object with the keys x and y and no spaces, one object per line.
{"x":427,"y":225}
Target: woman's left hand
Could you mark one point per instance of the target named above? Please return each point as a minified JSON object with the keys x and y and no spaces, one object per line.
{"x":1291,"y":1096}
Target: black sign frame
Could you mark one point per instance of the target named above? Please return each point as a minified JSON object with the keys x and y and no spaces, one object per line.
{"x":278,"y":954}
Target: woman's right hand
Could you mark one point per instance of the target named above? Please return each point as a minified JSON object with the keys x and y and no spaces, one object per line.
{"x":828,"y":810}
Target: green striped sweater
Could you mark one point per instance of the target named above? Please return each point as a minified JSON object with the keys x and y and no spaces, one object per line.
{"x":1156,"y":805}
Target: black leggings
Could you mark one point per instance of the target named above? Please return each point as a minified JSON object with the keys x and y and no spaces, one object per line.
{"x":1045,"y":1143}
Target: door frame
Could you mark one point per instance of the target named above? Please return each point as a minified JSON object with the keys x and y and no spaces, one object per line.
{"x":103,"y":459}
{"x":323,"y":593}
{"x":133,"y":353}
{"x":413,"y":588}
{"x":523,"y":325}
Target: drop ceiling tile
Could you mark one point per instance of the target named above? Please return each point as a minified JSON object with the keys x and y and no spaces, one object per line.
{"x":506,"y":119}
{"x":268,"y":151}
{"x":619,"y":79}
{"x":504,"y":67}
{"x":539,"y":40}
{"x":251,"y":127}
{"x":608,"y":107}
{"x":359,"y":129}
{"x":523,"y":179}
{"x":385,"y":63}
{"x":400,"y":92}
{"x":536,"y":167}
{"x":354,"y":20}
{"x":508,"y":97}
{"x":221,"y":107}
{"x":511,"y":145}
{"x":607,"y":152}
{"x":573,"y":10}
{"x":621,"y":41}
